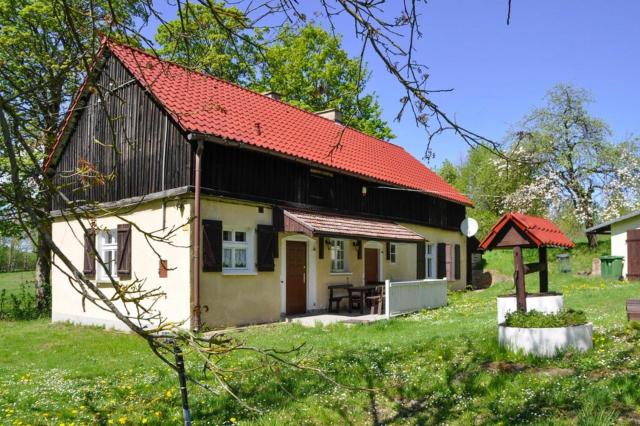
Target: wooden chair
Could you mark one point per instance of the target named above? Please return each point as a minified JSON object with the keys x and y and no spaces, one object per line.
{"x":337,"y":298}
{"x":633,"y":310}
{"x":354,"y":303}
{"x":376,"y":301}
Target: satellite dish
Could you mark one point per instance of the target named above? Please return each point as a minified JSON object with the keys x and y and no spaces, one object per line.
{"x":469,"y":227}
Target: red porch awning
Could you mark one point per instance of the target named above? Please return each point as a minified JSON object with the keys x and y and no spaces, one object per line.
{"x":324,"y":225}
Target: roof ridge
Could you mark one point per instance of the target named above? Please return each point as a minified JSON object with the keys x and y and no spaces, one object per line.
{"x":110,"y":42}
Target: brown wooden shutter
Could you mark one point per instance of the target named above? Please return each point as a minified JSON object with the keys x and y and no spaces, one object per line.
{"x":359,"y":249}
{"x":321,"y":248}
{"x":212,"y":245}
{"x":124,"y":251}
{"x":163,"y":270}
{"x":388,"y":249}
{"x":441,"y":255}
{"x":633,"y":254}
{"x":89,"y":268}
{"x":420,"y":260}
{"x":267,"y":247}
{"x":456,"y":262}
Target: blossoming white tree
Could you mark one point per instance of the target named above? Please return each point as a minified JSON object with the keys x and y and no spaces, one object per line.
{"x":574,"y":162}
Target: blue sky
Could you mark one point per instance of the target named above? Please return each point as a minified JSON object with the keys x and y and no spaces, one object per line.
{"x":501,"y":72}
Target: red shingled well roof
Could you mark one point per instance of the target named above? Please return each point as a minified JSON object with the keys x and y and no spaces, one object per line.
{"x":203,"y":104}
{"x":540,"y":231}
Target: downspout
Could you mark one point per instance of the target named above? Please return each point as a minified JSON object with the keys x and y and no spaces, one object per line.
{"x":196,"y":238}
{"x":164,"y":168}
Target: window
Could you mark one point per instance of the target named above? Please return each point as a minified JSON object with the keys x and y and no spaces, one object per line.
{"x":108,"y":251}
{"x":393,"y":252}
{"x":338,"y":260}
{"x":431,"y":260}
{"x":235,"y":250}
{"x":320,"y":187}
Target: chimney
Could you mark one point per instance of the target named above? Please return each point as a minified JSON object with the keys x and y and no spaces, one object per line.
{"x":332,"y":114}
{"x":271,"y":94}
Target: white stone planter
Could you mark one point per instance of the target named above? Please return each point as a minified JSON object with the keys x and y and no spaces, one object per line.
{"x":545,"y":303}
{"x":546,"y":342}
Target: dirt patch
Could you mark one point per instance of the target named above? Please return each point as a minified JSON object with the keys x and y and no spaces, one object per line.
{"x":498,"y":277}
{"x":515,"y":367}
{"x":504,"y":367}
{"x":553,"y":371}
{"x":603,"y":373}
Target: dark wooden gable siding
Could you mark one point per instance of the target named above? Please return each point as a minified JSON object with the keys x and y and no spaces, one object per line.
{"x":124,"y":142}
{"x":122,"y":137}
{"x":244,"y":173}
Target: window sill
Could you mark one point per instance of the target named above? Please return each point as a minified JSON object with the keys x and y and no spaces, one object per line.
{"x":239,"y":273}
{"x":337,"y":274}
{"x":105,"y":284}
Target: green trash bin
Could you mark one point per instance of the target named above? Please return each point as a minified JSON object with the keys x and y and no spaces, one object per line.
{"x":611,"y":266}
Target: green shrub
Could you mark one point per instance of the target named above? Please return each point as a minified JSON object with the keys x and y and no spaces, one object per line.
{"x":20,"y":305}
{"x":535,"y":319}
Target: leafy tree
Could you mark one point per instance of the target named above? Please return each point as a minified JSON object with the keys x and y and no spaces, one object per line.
{"x":212,"y":43}
{"x":449,"y":172}
{"x":573,"y":161}
{"x":488,"y":182}
{"x":42,"y":62}
{"x":307,"y":67}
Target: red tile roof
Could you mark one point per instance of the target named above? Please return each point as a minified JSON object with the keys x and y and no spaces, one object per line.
{"x":540,"y":231}
{"x":314,"y":224}
{"x":203,"y":104}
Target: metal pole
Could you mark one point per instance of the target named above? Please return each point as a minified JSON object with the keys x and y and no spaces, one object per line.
{"x":183,"y":384}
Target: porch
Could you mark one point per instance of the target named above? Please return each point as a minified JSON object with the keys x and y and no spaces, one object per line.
{"x":394,"y":298}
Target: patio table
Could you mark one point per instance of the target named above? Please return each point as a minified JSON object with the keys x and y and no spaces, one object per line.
{"x":336,"y":299}
{"x":360,"y":292}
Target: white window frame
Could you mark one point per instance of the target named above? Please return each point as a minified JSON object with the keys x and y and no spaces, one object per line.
{"x":108,"y":252}
{"x":393,"y":252}
{"x":431,"y":258}
{"x":233,"y":246}
{"x":339,"y":246}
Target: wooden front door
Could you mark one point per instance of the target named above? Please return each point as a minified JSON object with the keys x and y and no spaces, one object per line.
{"x":371,"y":265}
{"x":296,"y":284}
{"x":633,"y":254}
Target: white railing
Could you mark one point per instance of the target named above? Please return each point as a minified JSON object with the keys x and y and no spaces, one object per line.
{"x":402,"y":297}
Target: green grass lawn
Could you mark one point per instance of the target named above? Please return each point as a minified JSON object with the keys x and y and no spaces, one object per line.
{"x":12,"y":281}
{"x":438,"y":366}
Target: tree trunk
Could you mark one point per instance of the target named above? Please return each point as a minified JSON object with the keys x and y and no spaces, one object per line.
{"x":592,"y":238}
{"x":43,"y":274}
{"x":43,"y":261}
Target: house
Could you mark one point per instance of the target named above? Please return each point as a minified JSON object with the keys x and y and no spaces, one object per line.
{"x":267,"y":204}
{"x":625,"y":241}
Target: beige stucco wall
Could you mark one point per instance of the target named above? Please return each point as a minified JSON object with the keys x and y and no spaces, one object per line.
{"x":434,"y":235}
{"x":257,"y":297}
{"x":228,"y":299}
{"x":619,"y":238}
{"x":67,"y":303}
{"x":234,"y":299}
